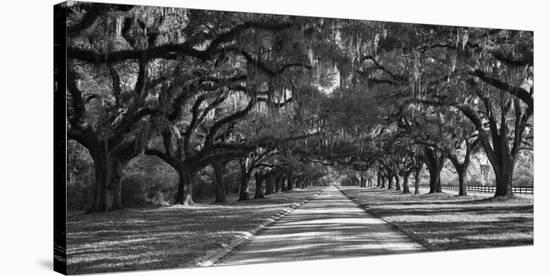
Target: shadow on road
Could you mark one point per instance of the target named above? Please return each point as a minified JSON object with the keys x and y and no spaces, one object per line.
{"x":329,"y":226}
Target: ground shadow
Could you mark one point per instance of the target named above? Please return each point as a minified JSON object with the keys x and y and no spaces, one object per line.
{"x":452,"y":222}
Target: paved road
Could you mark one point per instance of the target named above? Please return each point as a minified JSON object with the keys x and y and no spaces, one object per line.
{"x":329,"y":226}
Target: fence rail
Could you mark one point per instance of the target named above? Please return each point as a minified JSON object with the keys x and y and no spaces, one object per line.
{"x":491,"y":189}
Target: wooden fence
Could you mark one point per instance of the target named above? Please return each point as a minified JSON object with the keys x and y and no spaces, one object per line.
{"x":491,"y":189}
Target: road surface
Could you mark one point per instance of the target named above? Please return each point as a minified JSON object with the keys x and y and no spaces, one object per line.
{"x":329,"y":226}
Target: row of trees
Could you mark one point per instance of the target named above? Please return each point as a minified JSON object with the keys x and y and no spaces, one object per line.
{"x":282,"y":95}
{"x":178,"y":84}
{"x":447,"y":92}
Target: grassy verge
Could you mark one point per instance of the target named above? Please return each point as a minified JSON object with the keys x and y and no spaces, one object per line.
{"x":167,"y":237}
{"x":451,"y":222}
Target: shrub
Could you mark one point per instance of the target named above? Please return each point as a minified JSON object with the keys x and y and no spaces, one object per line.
{"x":80,"y":177}
{"x":79,"y":195}
{"x":133,"y":187}
{"x":523,"y":181}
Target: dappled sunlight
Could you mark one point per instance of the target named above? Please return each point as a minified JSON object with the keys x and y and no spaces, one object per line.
{"x":273,"y":131}
{"x":111,"y":243}
{"x":335,"y":222}
{"x":163,"y":237}
{"x":452,"y":222}
{"x":505,"y":236}
{"x":327,"y":227}
{"x":442,"y":217}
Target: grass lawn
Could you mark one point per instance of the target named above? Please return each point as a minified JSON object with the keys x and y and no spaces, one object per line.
{"x":165,"y":237}
{"x":451,"y":222}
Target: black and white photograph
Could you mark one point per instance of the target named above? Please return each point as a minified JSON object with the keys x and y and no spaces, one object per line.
{"x":199,"y":137}
{"x":195,"y":138}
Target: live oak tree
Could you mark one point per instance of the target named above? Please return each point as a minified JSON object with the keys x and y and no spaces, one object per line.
{"x":499,"y":77}
{"x":465,"y":143}
{"x":493,"y":88}
{"x":109,"y":104}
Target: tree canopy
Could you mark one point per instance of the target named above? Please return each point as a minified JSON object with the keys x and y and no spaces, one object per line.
{"x":287,"y":96}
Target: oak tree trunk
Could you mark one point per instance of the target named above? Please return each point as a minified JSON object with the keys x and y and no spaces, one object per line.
{"x":108,"y":178}
{"x":290,"y":182}
{"x":397,"y":184}
{"x":269,"y":184}
{"x":284,"y":184}
{"x":417,"y":180}
{"x":243,"y":189}
{"x":219,"y":185}
{"x":109,"y":163}
{"x":461,"y":169}
{"x":390,"y":182}
{"x":435,"y":181}
{"x":363,"y":182}
{"x":434,"y":162}
{"x":462,"y":189}
{"x":406,"y":183}
{"x":504,"y":175}
{"x":184,"y":195}
{"x":277,"y":184}
{"x":259,"y":193}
